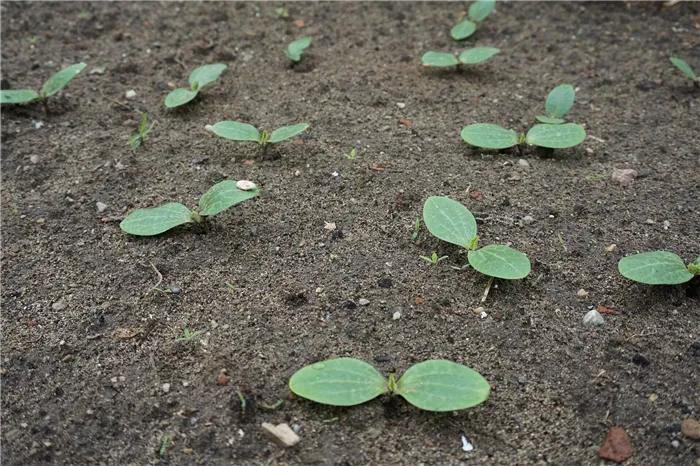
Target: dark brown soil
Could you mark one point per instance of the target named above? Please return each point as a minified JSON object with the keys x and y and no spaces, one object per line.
{"x":75,"y":390}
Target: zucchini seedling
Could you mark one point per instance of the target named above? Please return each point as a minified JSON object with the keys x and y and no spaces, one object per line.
{"x":658,"y":268}
{"x":156,"y":220}
{"x":199,"y":78}
{"x":467,"y":57}
{"x":434,"y":385}
{"x":50,"y":87}
{"x":237,"y":131}
{"x":686,"y":70}
{"x":477,"y":12}
{"x":296,"y":48}
{"x":558,"y":103}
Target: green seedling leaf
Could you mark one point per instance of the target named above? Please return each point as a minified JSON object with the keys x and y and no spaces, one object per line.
{"x":477,"y":55}
{"x":439,"y":59}
{"x":449,"y":220}
{"x":560,"y":100}
{"x":440,"y":385}
{"x":179,"y":97}
{"x":223,"y":195}
{"x":205,"y":74}
{"x":480,"y":9}
{"x":296,"y":48}
{"x":556,"y":136}
{"x":149,"y":222}
{"x":236,"y":131}
{"x":500,"y":262}
{"x":338,"y":382}
{"x":655,"y":268}
{"x":286,"y":132}
{"x":490,"y":136}
{"x":684,"y":67}
{"x":18,"y":96}
{"x":462,"y":30}
{"x":549,"y":120}
{"x":60,"y":79}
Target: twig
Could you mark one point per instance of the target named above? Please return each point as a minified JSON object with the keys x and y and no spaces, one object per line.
{"x":640,"y":335}
{"x":486,"y":291}
{"x":160,"y":279}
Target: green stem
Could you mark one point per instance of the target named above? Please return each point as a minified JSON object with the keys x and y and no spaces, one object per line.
{"x":393,"y":388}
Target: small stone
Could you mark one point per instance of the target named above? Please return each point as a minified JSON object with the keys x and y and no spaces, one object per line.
{"x":58,"y":306}
{"x":166,"y":387}
{"x":34,"y":159}
{"x":38,"y":124}
{"x":330,"y":226}
{"x":676,"y":444}
{"x":101,"y":206}
{"x":624,"y":177}
{"x":130,"y":94}
{"x":297,"y":173}
{"x":691,"y":428}
{"x":523,"y":163}
{"x":89,"y":412}
{"x":477,"y":311}
{"x":582,"y":293}
{"x":653,"y":397}
{"x":363,"y":302}
{"x":98,"y":70}
{"x":282,"y":434}
{"x":187,"y":451}
{"x":611,"y":248}
{"x":616,"y":446}
{"x":245,"y":185}
{"x":222,"y":379}
{"x":593,"y":319}
{"x":400,"y":104}
{"x":649,"y":221}
{"x":528,"y":219}
{"x":514,"y":178}
{"x":209,"y":128}
{"x":114,"y":380}
{"x":296,"y":428}
{"x":397,"y":315}
{"x":319,"y":290}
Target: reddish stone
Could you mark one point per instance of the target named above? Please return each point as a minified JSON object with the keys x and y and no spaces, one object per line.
{"x":221,"y":379}
{"x":617,"y":446}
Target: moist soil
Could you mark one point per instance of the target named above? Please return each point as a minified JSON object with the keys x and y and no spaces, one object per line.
{"x":91,"y":371}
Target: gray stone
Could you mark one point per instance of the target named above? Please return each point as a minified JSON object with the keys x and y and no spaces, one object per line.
{"x":593,"y":319}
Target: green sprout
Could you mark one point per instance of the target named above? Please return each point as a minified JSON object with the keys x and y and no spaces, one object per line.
{"x":450,"y":221}
{"x":434,"y":259}
{"x":136,"y":140}
{"x":296,"y":48}
{"x":477,"y":12}
{"x":558,"y":103}
{"x":352,"y":154}
{"x":416,"y":230}
{"x":686,"y":70}
{"x":434,"y":385}
{"x":33,"y":40}
{"x":199,"y":78}
{"x":237,"y":131}
{"x":282,"y":13}
{"x":467,"y":57}
{"x":658,"y":268}
{"x":50,"y":88}
{"x":164,"y":445}
{"x":221,"y":196}
{"x":189,"y":336}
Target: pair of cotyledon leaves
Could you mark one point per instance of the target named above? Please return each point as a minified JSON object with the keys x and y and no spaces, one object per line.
{"x":477,"y":12}
{"x":435,"y":385}
{"x":51,"y":87}
{"x":238,"y":131}
{"x":199,"y":78}
{"x":153,"y":221}
{"x":450,"y":221}
{"x":467,"y":57}
{"x":296,"y":48}
{"x":658,"y":268}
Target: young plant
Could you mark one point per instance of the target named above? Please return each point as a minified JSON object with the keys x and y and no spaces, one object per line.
{"x":558,"y":103}
{"x":477,"y":12}
{"x":416,"y":230}
{"x":189,"y":336}
{"x":237,"y":131}
{"x":51,"y":87}
{"x":136,"y":140}
{"x":296,"y":48}
{"x":686,"y":70}
{"x":467,"y":57}
{"x":434,"y":259}
{"x":450,"y":221}
{"x":551,"y":136}
{"x":221,"y":196}
{"x":658,"y":268}
{"x":352,"y":154}
{"x":282,"y":12}
{"x":199,"y":78}
{"x":434,"y":385}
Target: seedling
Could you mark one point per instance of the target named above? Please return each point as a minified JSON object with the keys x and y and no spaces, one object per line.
{"x":164,"y":445}
{"x":296,"y":48}
{"x":477,"y":12}
{"x":352,"y":154}
{"x":658,"y":268}
{"x":136,"y":140}
{"x":237,"y":131}
{"x":434,"y":259}
{"x":434,"y":385}
{"x":199,"y":78}
{"x":282,"y":13}
{"x":551,"y":136}
{"x":416,"y":230}
{"x":189,"y":336}
{"x":221,"y":196}
{"x":50,"y":88}
{"x":686,"y":70}
{"x":450,"y":221}
{"x":467,"y":57}
{"x":558,"y":103}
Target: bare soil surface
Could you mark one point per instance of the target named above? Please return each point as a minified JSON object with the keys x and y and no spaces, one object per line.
{"x":91,"y":371}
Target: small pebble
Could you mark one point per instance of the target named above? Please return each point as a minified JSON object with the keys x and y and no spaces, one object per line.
{"x":611,"y":248}
{"x":363,"y":302}
{"x":676,"y":444}
{"x":528,"y":219}
{"x":400,"y":104}
{"x":101,"y":206}
{"x":523,"y":163}
{"x":209,"y":128}
{"x":397,"y":315}
{"x":34,"y":159}
{"x":593,"y":319}
{"x":130,"y":94}
{"x":245,"y":185}
{"x":58,"y":306}
{"x":624,"y":177}
{"x":582,"y":293}
{"x":166,"y":387}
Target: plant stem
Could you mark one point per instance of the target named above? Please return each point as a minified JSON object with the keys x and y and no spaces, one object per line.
{"x":486,"y":291}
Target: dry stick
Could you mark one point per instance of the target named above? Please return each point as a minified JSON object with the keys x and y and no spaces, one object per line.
{"x":486,"y":291}
{"x":160,"y":279}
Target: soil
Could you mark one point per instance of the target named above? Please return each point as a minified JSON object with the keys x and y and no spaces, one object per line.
{"x":88,"y":344}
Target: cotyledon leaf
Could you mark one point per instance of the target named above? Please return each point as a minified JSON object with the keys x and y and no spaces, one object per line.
{"x":339,"y":382}
{"x":9,"y":96}
{"x":149,"y":222}
{"x":206,"y":74}
{"x":480,"y":9}
{"x":223,"y":195}
{"x":549,"y":120}
{"x":556,"y":136}
{"x":441,"y":385}
{"x":560,"y":100}
{"x":462,"y":30}
{"x":500,"y":262}
{"x":684,"y":67}
{"x":489,"y":136}
{"x":60,"y":79}
{"x":179,"y":97}
{"x":477,"y":55}
{"x":655,"y":268}
{"x":449,"y":220}
{"x":286,"y":132}
{"x":236,"y":131}
{"x":297,"y":47}
{"x":439,"y":59}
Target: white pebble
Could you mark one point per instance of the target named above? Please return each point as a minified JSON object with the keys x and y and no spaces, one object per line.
{"x":130,"y":94}
{"x":400,"y":104}
{"x":209,"y":128}
{"x":245,"y":185}
{"x":101,"y":206}
{"x":364,"y":302}
{"x":593,"y":319}
{"x":166,"y":387}
{"x":397,"y":315}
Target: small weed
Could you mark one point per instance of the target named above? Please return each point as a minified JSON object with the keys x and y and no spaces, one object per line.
{"x":137,"y":140}
{"x":282,"y":13}
{"x":561,"y":241}
{"x":416,"y":230}
{"x":686,"y":70}
{"x":434,"y":259}
{"x":189,"y":335}
{"x":352,"y":154}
